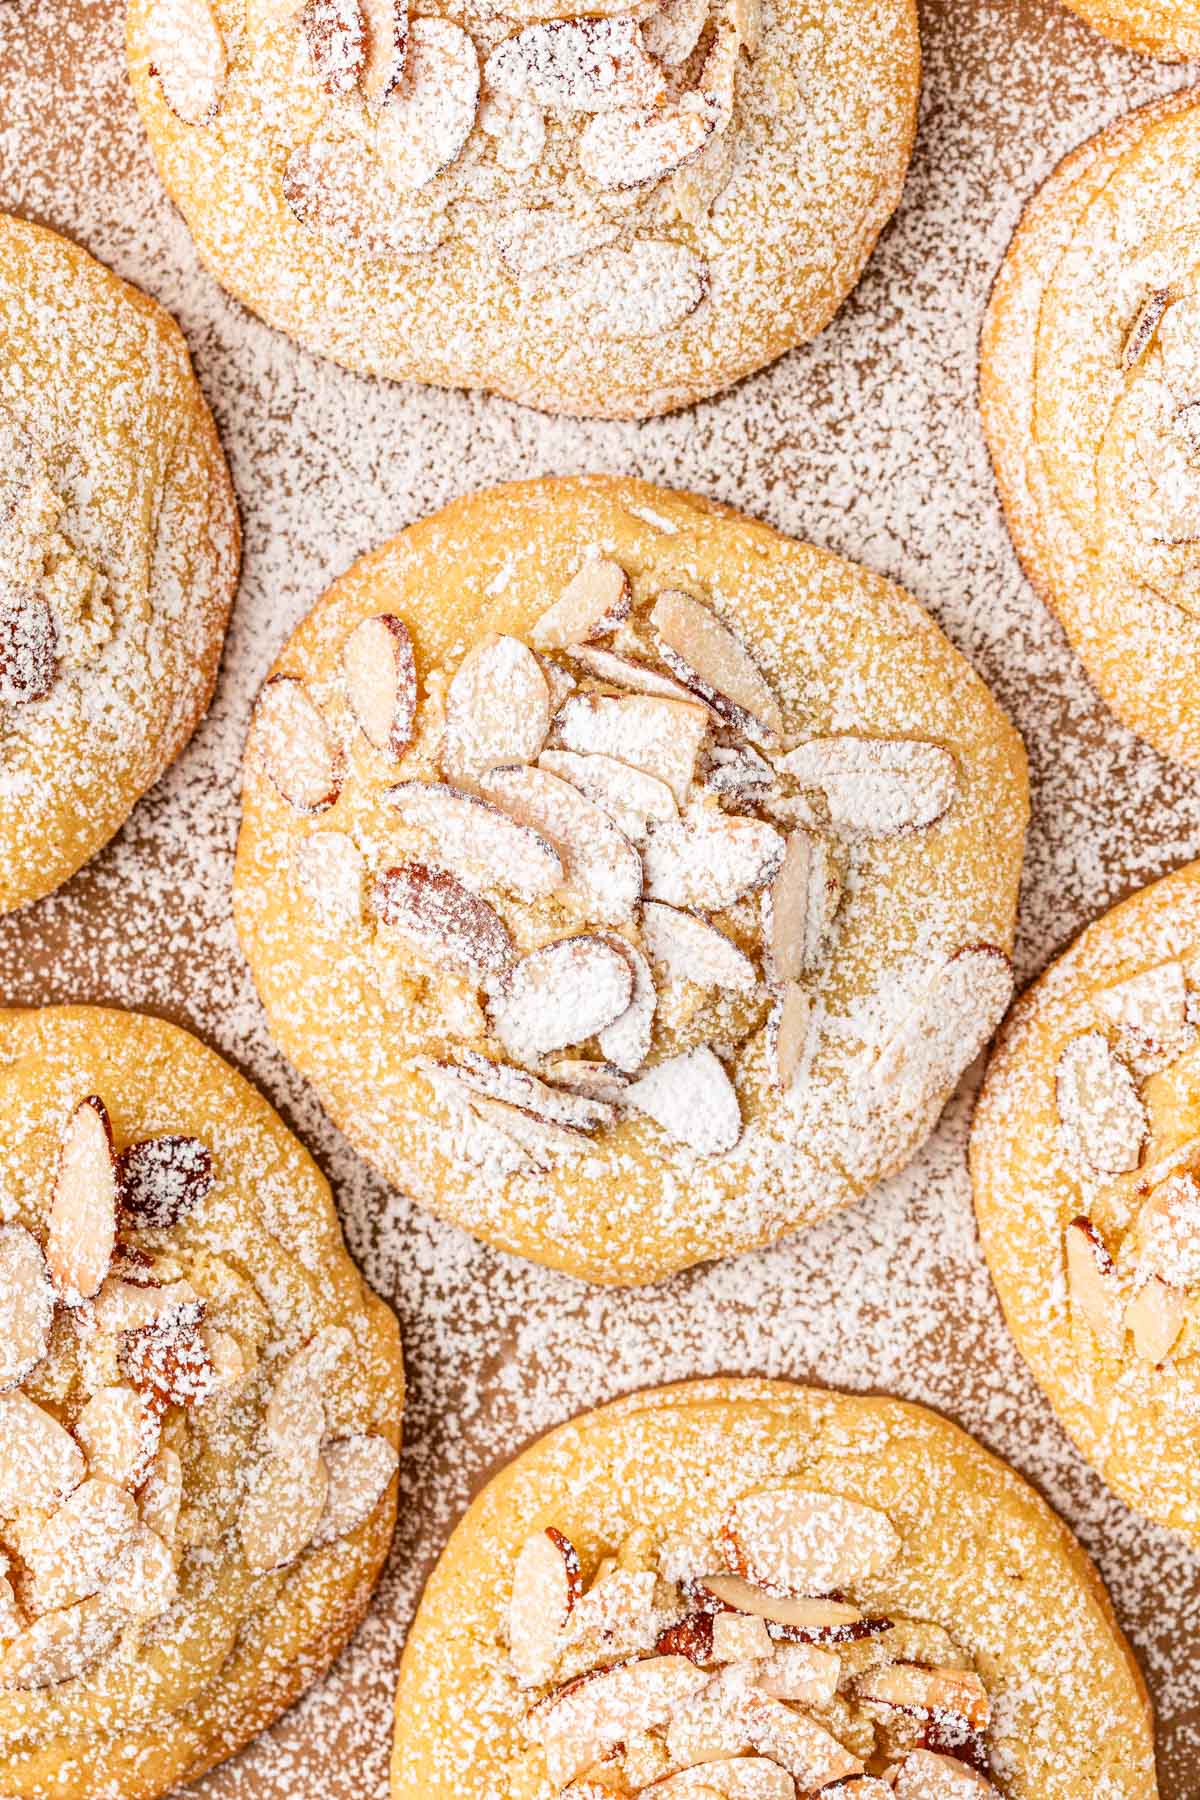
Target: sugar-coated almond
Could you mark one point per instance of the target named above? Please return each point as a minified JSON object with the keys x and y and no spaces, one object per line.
{"x":876,"y":787}
{"x":337,"y":43}
{"x":913,"y":1687}
{"x":168,"y":1361}
{"x":626,"y":1042}
{"x":386,"y":49}
{"x":1156,"y":1315}
{"x":692,"y":1099}
{"x":296,"y":747}
{"x":673,"y":30}
{"x":478,"y":840}
{"x":187,"y":53}
{"x":1103,"y":1119}
{"x":517,"y":126}
{"x":642,"y":290}
{"x":546,"y":1585}
{"x":926,"y":1775}
{"x":380,"y":671}
{"x":688,"y":948}
{"x":28,"y":647}
{"x":579,"y":1725}
{"x":800,"y":1541}
{"x":738,"y":774}
{"x":632,"y":672}
{"x":517,"y":1087}
{"x":701,"y":649}
{"x":336,"y":186}
{"x":40,"y":1462}
{"x":144,"y":1581}
{"x":162,"y":1495}
{"x":801,"y":905}
{"x":563,"y":993}
{"x":788,"y":1033}
{"x":360,"y":1469}
{"x":799,"y":1673}
{"x":430,"y":116}
{"x":577,"y":65}
{"x":630,"y":797}
{"x":594,"y":602}
{"x":710,"y":859}
{"x":599,"y":1081}
{"x":82,"y":1230}
{"x":281,"y":1511}
{"x":59,"y":1646}
{"x":118,"y":1433}
{"x":1168,"y":1231}
{"x":74,"y":1552}
{"x":497,"y":708}
{"x":444,"y":922}
{"x":799,"y":1618}
{"x":295,"y":1415}
{"x":660,"y":737}
{"x":603,"y":871}
{"x":630,"y":149}
{"x":739,"y":1637}
{"x":26,"y":1304}
{"x":163,"y":1180}
{"x":945,"y":1026}
{"x":1150,"y":1011}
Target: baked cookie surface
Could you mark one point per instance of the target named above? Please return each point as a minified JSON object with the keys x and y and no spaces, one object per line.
{"x":119,"y":552}
{"x":606,"y":211}
{"x":747,"y":1588}
{"x":632,"y":882}
{"x":1089,"y":383}
{"x":1166,"y":28}
{"x":1086,"y":1164}
{"x":199,"y":1413}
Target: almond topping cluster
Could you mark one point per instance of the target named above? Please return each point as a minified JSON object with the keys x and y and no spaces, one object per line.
{"x":1145,"y":1289}
{"x":108,"y":1353}
{"x":733,"y":1664}
{"x":613,"y":855}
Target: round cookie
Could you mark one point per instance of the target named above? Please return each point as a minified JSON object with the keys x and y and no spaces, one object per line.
{"x":600,"y":211}
{"x":1086,"y":1164}
{"x":199,"y":1411}
{"x":632,"y":882}
{"x":119,"y":550}
{"x":1089,"y":380}
{"x":1166,"y":28}
{"x":748,"y":1588}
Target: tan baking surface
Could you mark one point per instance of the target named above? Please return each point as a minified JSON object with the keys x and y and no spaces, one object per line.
{"x":867,"y":442}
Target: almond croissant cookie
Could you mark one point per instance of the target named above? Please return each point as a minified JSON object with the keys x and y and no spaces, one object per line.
{"x":746,"y":1590}
{"x":608,"y":210}
{"x":633,"y":883}
{"x":1166,"y":28}
{"x":199,"y":1411}
{"x":1091,"y":401}
{"x":118,"y":554}
{"x":1086,"y":1162}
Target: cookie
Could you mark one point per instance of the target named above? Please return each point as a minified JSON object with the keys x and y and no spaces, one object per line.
{"x":118,"y":554}
{"x":606,"y":211}
{"x":1166,"y":28}
{"x":633,"y":883}
{"x":1086,"y":1164}
{"x":1089,"y":386}
{"x":199,"y":1411}
{"x":752,"y":1589}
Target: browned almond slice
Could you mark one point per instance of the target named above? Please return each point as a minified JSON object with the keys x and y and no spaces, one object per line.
{"x":800,"y":1673}
{"x":162,"y":1495}
{"x":603,"y":870}
{"x":801,"y":905}
{"x":1099,"y":1107}
{"x":144,"y":1582}
{"x":74,"y":1551}
{"x":673,"y":31}
{"x":444,"y":922}
{"x":633,"y":673}
{"x":1156,"y":1315}
{"x":738,"y":1637}
{"x":330,"y":872}
{"x":799,"y":1619}
{"x":788,"y":1031}
{"x":692,"y":1099}
{"x":561,"y":994}
{"x":710,"y":859}
{"x":578,"y":1726}
{"x":534,"y":240}
{"x":40,"y":1462}
{"x":1092,"y":1280}
{"x":577,"y":65}
{"x":360,"y":1469}
{"x":691,"y":949}
{"x":629,"y":796}
{"x":626,"y":1042}
{"x":700,"y":648}
{"x":876,"y":787}
{"x":429,"y":117}
{"x":915,"y":1688}
{"x":942,"y":1033}
{"x":118,"y":1433}
{"x":386,"y":49}
{"x":800,"y":1541}
{"x":28,"y":647}
{"x":478,"y":840}
{"x":628,"y":149}
{"x":163,"y":1179}
{"x":282,"y":1510}
{"x":518,"y":1088}
{"x":497,"y":708}
{"x":337,"y":43}
{"x":336,"y":186}
{"x":1145,"y":326}
{"x":82,"y":1230}
{"x":593,"y":603}
{"x":1150,"y":1011}
{"x":380,"y":672}
{"x":168,"y":1361}
{"x":59,"y":1646}
{"x":924,"y":1775}
{"x":187,"y":53}
{"x":660,"y":737}
{"x":295,"y":746}
{"x":26,"y":1304}
{"x":1168,"y":1232}
{"x":295,"y":1416}
{"x":644,"y":291}
{"x":691,"y":1636}
{"x":546,"y":1585}
{"x":594,"y":1080}
{"x":737,"y":773}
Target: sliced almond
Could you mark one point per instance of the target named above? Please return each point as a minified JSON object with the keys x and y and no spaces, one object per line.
{"x":603,"y":871}
{"x":737,"y":1637}
{"x":1143,"y":331}
{"x":82,"y":1230}
{"x":691,"y":1636}
{"x":59,"y":1647}
{"x":163,"y":1180}
{"x":360,"y":1469}
{"x":497,"y":708}
{"x":380,"y":672}
{"x":730,"y":1718}
{"x":168,"y":1362}
{"x":445,"y":923}
{"x":914,"y":1688}
{"x":579,"y":1725}
{"x":876,"y":787}
{"x":40,"y":1462}
{"x":118,"y":1433}
{"x":517,"y":126}
{"x":546,"y":1585}
{"x":1150,"y":1011}
{"x":144,"y":1582}
{"x":737,"y":773}
{"x":692,"y":1099}
{"x":295,"y":746}
{"x":282,"y":1511}
{"x":627,"y":149}
{"x":1156,"y":1315}
{"x":626,"y":1042}
{"x":225,"y":1357}
{"x":1092,"y":1280}
{"x":594,"y":602}
{"x":28,"y":647}
{"x":335,"y":185}
{"x":660,"y":737}
{"x":617,"y":1617}
{"x":1101,"y":1113}
{"x":644,"y":291}
{"x":700,"y":648}
{"x":541,"y":1142}
{"x":1168,"y":1232}
{"x":477,"y":839}
{"x":945,"y":1028}
{"x":429,"y":118}
{"x":387,"y":48}
{"x":803,"y":1620}
{"x":802,"y":904}
{"x":577,"y":65}
{"x":533,"y":240}
{"x":804,"y":1542}
{"x":632,"y":672}
{"x":26,"y":1304}
{"x":126,"y":1304}
{"x":690,"y":949}
{"x":561,"y":994}
{"x":630,"y":797}
{"x":924,"y":1775}
{"x":330,"y":872}
{"x":710,"y":859}
{"x":735,"y":1778}
{"x":295,"y":1416}
{"x":788,"y":1033}
{"x":559,"y":681}
{"x":337,"y":44}
{"x":673,"y":30}
{"x":187,"y":53}
{"x":799,"y":1673}
{"x":12,"y":1617}
{"x":162,"y":1495}
{"x":594,"y":1080}
{"x":518,"y":1088}
{"x":74,"y":1551}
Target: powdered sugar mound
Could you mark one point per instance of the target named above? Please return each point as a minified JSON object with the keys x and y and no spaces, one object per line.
{"x":867,"y":443}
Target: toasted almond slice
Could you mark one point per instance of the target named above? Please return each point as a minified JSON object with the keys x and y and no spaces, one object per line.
{"x":1168,"y":1232}
{"x":788,"y":1033}
{"x":672,"y":32}
{"x":737,"y":773}
{"x":739,"y":1637}
{"x":82,"y":1231}
{"x":645,"y":291}
{"x":799,"y":1673}
{"x":187,"y":53}
{"x":561,"y":994}
{"x":560,"y":682}
{"x":1101,"y":1114}
{"x":603,"y":870}
{"x":478,"y":840}
{"x":162,"y":1495}
{"x":801,"y":1541}
{"x":730,"y":1718}
{"x":59,"y":1646}
{"x":691,"y":949}
{"x":734,"y":1778}
{"x":429,"y":117}
{"x":691,"y":1636}
{"x":541,"y":1142}
{"x":660,"y":737}
{"x":800,"y":1620}
{"x":577,"y":65}
{"x":26,"y":1304}
{"x":876,"y":787}
{"x":946,"y":1027}
{"x":386,"y":50}
{"x":593,"y":603}
{"x":627,"y":149}
{"x":1150,"y":1011}
{"x":380,"y":672}
{"x":336,"y":186}
{"x":337,"y":43}
{"x":125,"y":1304}
{"x":225,"y":1356}
{"x":497,"y":708}
{"x":40,"y":1462}
{"x":28,"y":647}
{"x":282,"y":1510}
{"x":626,"y":1042}
{"x":295,"y":746}
{"x":330,"y":873}
{"x":444,"y":922}
{"x":700,"y":648}
{"x":360,"y":1469}
{"x":295,"y":1416}
{"x":619,"y":1612}
{"x":163,"y":1180}
{"x":710,"y":859}
{"x":924,"y":1775}
{"x":629,"y":796}
{"x":144,"y":1582}
{"x":580,"y":1724}
{"x":692,"y":1099}
{"x":802,"y":902}
{"x":914,"y":1688}
{"x":1143,"y":331}
{"x":1156,"y":1315}
{"x":598,"y":1081}
{"x":633,"y":673}
{"x":1092,"y":1281}
{"x":74,"y":1551}
{"x":118,"y":1433}
{"x":169,"y":1362}
{"x":546,"y":1585}
{"x":518,"y":1088}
